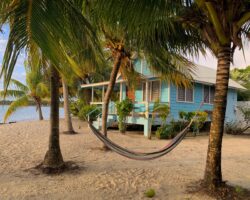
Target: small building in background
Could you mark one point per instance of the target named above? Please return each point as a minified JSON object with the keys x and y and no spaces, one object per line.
{"x":152,"y":89}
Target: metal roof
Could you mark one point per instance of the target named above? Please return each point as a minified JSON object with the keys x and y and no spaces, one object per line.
{"x":207,"y":75}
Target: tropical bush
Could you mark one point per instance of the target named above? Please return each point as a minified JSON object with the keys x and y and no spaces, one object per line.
{"x":80,"y":109}
{"x":199,"y":120}
{"x":76,"y":106}
{"x":165,"y":132}
{"x":86,"y":109}
{"x":123,"y":109}
{"x":162,"y":110}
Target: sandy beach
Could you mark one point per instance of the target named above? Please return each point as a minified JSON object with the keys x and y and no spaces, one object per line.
{"x":106,"y":175}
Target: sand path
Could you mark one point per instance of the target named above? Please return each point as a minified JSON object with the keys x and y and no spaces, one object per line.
{"x":106,"y":175}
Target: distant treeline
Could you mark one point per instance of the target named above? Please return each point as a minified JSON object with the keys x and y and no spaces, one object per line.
{"x":8,"y":102}
{"x":31,"y":103}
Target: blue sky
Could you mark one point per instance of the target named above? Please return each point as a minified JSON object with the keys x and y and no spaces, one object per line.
{"x":209,"y":60}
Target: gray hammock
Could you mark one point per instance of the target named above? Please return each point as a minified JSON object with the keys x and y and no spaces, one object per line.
{"x":138,"y":155}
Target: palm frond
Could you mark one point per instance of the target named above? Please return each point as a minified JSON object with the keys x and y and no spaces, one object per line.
{"x":18,"y":85}
{"x":21,"y":102}
{"x":42,"y":90}
{"x":12,"y":93}
{"x":55,"y":34}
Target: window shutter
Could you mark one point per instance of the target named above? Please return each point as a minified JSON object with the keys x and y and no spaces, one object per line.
{"x":155,"y":90}
{"x":206,"y":94}
{"x":144,"y":91}
{"x":189,"y":94}
{"x":181,"y":94}
{"x":212,"y":91}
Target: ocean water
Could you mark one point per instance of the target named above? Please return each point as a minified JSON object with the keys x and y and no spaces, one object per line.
{"x":27,"y":113}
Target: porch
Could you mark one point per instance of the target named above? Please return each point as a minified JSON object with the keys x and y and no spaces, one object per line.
{"x":143,"y":97}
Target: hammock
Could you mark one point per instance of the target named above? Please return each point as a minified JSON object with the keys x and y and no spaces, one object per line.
{"x":137,"y":155}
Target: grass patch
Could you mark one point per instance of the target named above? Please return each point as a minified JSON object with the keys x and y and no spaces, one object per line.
{"x":150,"y":193}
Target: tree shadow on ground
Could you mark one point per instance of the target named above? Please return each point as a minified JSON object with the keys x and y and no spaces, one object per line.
{"x":69,"y":167}
{"x":225,"y":192}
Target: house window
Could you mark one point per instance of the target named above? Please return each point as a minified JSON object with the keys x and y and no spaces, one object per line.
{"x":185,"y":94}
{"x":153,"y":91}
{"x":208,"y":94}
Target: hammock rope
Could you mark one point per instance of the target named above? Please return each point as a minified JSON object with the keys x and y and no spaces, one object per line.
{"x":139,"y":155}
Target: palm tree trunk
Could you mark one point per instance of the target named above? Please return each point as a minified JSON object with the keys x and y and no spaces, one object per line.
{"x":108,"y":93}
{"x":53,"y":158}
{"x":67,"y":116}
{"x":39,"y":107}
{"x":213,"y":175}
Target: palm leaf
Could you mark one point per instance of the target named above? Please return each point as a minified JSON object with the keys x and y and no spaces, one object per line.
{"x":18,"y":85}
{"x":21,"y":102}
{"x":55,"y":34}
{"x":42,"y":90}
{"x":12,"y":93}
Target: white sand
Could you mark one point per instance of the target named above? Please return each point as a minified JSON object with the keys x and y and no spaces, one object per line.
{"x":106,"y":175}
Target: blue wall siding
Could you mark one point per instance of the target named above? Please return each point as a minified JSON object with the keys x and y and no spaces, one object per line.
{"x":141,"y":66}
{"x":231,"y":105}
{"x":176,"y":107}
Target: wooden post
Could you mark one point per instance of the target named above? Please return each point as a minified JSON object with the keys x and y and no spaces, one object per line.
{"x":92,"y":94}
{"x":120,"y":92}
{"x":103,"y":93}
{"x":147,"y":124}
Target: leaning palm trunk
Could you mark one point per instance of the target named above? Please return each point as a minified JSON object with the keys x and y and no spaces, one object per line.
{"x":117,"y":64}
{"x":53,"y":158}
{"x":39,"y":107}
{"x":213,"y":175}
{"x":67,"y":116}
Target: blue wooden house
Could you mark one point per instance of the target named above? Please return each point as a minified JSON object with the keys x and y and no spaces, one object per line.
{"x":152,"y":89}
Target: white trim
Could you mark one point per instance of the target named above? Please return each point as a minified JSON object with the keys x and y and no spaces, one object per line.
{"x":100,"y":84}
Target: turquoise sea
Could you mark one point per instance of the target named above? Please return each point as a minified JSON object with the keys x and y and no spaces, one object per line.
{"x":26,"y":113}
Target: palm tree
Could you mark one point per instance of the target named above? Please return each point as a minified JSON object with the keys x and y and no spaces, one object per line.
{"x":53,"y":158}
{"x":216,"y":25}
{"x":35,"y":91}
{"x":122,"y":49}
{"x":67,"y":116}
{"x":65,"y":38}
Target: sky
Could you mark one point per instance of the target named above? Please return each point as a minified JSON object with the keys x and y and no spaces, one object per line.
{"x":209,"y":60}
{"x":19,"y":72}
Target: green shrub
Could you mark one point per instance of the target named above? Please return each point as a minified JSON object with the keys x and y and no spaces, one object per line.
{"x":123,"y":109}
{"x":150,"y":193}
{"x":165,"y":132}
{"x":87,"y":109}
{"x":76,"y":106}
{"x":199,"y":120}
